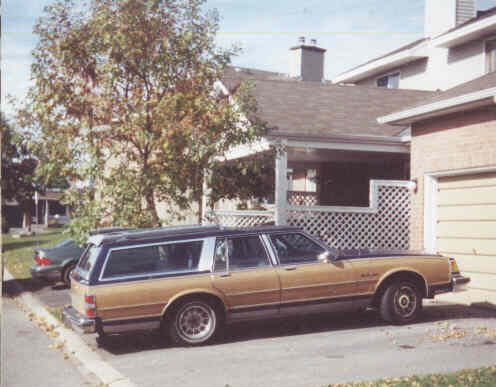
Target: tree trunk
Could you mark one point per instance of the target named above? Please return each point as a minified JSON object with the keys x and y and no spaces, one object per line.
{"x":151,"y":208}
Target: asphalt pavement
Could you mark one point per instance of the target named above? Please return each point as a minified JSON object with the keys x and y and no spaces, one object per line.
{"x":33,"y":358}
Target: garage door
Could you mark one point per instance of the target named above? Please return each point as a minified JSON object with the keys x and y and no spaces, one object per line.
{"x":466,"y":225}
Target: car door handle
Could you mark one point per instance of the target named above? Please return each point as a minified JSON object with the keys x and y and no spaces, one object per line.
{"x":225,"y":275}
{"x":289,"y":268}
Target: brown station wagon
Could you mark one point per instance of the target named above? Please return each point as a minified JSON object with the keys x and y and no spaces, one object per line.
{"x":191,"y":280}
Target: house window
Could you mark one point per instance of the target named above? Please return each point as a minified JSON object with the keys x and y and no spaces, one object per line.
{"x":490,"y":56}
{"x":390,"y":81}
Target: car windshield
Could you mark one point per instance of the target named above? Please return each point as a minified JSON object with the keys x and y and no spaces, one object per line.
{"x":66,"y":243}
{"x":87,"y":261}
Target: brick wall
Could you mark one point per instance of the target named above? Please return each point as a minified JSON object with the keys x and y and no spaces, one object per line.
{"x":457,"y":141}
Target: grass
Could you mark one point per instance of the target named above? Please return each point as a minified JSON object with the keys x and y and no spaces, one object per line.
{"x":479,"y":377}
{"x":18,"y":253}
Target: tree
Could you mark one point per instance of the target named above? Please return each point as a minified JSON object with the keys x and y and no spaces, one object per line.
{"x":19,"y":181}
{"x":125,"y":101}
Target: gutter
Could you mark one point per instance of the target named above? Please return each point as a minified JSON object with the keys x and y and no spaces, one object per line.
{"x":439,"y":108}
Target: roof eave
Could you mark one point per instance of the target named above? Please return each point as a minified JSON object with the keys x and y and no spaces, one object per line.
{"x":466,"y":33}
{"x":440,"y":108}
{"x":383,"y":64}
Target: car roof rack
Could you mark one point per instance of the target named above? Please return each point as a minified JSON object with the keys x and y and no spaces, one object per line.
{"x":147,"y":233}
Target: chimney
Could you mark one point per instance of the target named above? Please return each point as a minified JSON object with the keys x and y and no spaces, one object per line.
{"x":307,"y":61}
{"x":443,"y":15}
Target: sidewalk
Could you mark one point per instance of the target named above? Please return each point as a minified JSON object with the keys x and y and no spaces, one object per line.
{"x":62,"y":338}
{"x":31,"y":359}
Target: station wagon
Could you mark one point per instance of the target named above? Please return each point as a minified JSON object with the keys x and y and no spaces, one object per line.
{"x":190,"y":281}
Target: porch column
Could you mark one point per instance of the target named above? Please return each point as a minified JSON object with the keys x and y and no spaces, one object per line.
{"x":47,"y":211}
{"x":281,"y":194}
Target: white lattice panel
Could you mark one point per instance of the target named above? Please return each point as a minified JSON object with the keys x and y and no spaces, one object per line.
{"x":302,"y":198}
{"x":386,"y":227}
{"x":243,"y":218}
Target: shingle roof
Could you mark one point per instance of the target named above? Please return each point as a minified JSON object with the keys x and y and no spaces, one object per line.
{"x":485,"y":82}
{"x":323,"y":109}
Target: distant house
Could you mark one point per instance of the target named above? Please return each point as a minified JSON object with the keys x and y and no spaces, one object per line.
{"x":459,"y":45}
{"x":49,"y":209}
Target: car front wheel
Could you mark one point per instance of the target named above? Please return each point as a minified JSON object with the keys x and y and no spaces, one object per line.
{"x":193,"y":322}
{"x":401,"y":303}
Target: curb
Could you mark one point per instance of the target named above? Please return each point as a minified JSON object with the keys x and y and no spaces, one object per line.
{"x":74,"y":345}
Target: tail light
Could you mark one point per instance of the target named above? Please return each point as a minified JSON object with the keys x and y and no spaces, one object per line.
{"x":90,"y":305}
{"x":42,"y":261}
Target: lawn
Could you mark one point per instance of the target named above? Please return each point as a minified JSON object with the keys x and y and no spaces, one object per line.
{"x":17,"y":253}
{"x":484,"y":376}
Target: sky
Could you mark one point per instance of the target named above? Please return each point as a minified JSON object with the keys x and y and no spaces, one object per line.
{"x":352,"y":32}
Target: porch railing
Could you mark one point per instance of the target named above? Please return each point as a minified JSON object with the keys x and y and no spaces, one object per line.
{"x":382,"y":225}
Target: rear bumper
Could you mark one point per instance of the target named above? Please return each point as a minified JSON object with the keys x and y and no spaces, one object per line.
{"x":52,"y":273}
{"x":78,"y":322}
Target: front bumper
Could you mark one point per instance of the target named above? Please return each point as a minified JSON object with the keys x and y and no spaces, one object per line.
{"x":78,"y":322}
{"x":458,"y":283}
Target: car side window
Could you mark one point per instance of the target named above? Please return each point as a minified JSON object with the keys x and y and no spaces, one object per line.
{"x":166,"y":258}
{"x":243,"y":253}
{"x":296,"y":248}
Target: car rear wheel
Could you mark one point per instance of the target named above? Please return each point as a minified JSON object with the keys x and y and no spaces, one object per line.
{"x":66,"y":274}
{"x":401,"y":303}
{"x":193,"y":322}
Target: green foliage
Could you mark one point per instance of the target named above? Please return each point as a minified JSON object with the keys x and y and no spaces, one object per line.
{"x":124,"y":101}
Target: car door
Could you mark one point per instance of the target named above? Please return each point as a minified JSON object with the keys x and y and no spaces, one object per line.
{"x":246,"y":276}
{"x":310,"y":280}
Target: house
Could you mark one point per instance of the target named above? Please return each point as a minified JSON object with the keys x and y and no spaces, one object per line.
{"x":453,"y":161}
{"x":333,"y":148}
{"x":459,"y":45}
{"x":49,"y":209}
{"x":453,"y":137}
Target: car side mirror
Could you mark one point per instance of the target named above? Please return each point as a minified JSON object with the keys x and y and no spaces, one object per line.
{"x":326,"y":256}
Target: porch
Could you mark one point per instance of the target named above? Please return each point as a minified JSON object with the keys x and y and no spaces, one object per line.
{"x":350,"y":198}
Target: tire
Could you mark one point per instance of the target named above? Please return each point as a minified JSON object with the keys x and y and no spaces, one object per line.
{"x":401,"y":303}
{"x":193,"y":322}
{"x":66,"y":274}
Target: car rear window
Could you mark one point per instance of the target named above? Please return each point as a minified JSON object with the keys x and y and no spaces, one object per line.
{"x":87,"y":261}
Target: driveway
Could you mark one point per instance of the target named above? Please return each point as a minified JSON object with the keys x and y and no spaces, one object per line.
{"x":310,"y":351}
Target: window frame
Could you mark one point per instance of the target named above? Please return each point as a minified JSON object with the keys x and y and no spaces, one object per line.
{"x":488,"y":61}
{"x":388,"y":76}
{"x":203,"y":263}
{"x":316,"y":241}
{"x":263,"y":242}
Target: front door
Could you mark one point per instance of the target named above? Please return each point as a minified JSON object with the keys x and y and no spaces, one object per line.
{"x":246,"y":277}
{"x":309,"y":281}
